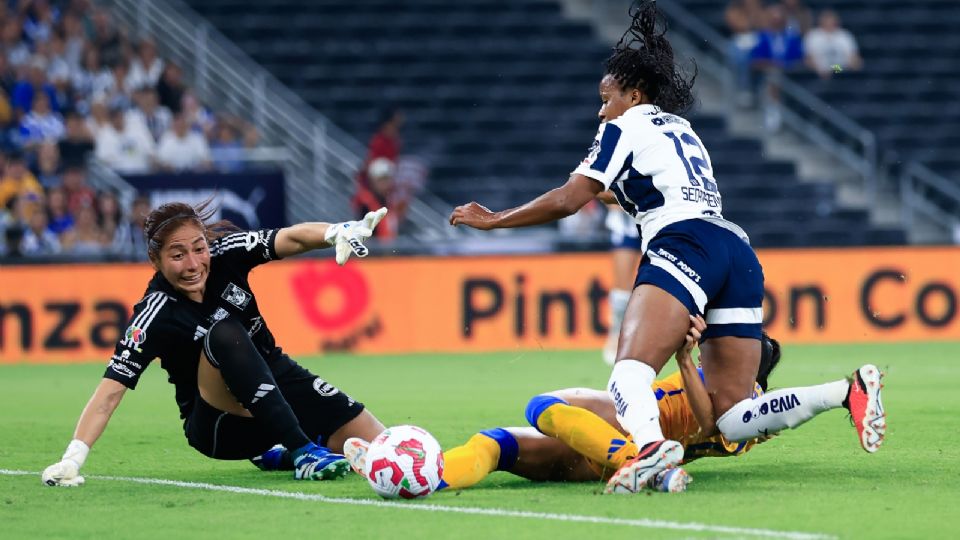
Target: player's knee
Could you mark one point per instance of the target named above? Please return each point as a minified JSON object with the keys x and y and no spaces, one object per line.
{"x":222,"y":337}
{"x":537,"y":405}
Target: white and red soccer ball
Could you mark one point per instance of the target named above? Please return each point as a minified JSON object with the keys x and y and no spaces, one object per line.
{"x":404,"y":461}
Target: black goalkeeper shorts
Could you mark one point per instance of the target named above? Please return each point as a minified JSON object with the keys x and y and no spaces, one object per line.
{"x":321,"y":408}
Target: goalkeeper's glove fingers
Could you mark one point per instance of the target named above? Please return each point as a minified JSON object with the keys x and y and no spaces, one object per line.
{"x":348,"y":237}
{"x":64,"y":473}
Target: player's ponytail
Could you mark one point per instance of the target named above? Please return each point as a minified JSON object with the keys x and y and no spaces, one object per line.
{"x":643,"y":59}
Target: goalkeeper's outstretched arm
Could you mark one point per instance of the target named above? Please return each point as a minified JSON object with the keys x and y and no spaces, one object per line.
{"x":346,"y":237}
{"x":93,"y":420}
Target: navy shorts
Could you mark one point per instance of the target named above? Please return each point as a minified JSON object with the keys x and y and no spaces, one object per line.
{"x":712,"y":271}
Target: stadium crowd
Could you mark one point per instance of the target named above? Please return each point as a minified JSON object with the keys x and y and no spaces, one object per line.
{"x":767,"y":40}
{"x":74,"y":86}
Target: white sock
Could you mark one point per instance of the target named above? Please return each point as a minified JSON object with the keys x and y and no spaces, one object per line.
{"x":636,"y":405}
{"x":785,"y":408}
{"x":618,"y":299}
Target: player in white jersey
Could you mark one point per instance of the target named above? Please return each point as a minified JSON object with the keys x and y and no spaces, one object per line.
{"x":695,"y":263}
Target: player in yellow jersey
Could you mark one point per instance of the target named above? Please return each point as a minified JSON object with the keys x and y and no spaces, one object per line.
{"x":573,"y":437}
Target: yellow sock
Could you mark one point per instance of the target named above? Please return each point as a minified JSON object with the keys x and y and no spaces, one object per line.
{"x":466,"y":465}
{"x":586,"y":433}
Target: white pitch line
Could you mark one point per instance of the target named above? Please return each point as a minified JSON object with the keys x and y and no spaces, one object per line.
{"x":643,"y":523}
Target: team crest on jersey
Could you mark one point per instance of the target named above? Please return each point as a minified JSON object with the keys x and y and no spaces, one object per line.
{"x":220,"y":314}
{"x":236,"y":296}
{"x":134,"y":337}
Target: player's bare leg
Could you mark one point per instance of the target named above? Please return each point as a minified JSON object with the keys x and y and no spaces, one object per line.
{"x":364,"y":426}
{"x":213,"y":389}
{"x":654,"y":327}
{"x":544,"y":458}
{"x":730,"y":367}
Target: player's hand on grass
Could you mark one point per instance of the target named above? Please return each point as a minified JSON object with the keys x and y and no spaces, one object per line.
{"x":697,"y":326}
{"x":64,"y":473}
{"x":348,"y":237}
{"x":473,"y":215}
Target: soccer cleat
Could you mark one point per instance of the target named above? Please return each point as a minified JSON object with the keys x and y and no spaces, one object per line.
{"x":673,"y":480}
{"x":636,"y":473}
{"x":275,"y":459}
{"x":355,"y":450}
{"x":866,"y":409}
{"x":319,"y":463}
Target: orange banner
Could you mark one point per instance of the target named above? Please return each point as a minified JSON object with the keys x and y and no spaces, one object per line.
{"x":59,"y":313}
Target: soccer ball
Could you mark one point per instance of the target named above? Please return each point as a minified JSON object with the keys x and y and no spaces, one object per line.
{"x":404,"y":461}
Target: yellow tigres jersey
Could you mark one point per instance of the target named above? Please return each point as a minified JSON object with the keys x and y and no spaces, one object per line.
{"x":679,"y":424}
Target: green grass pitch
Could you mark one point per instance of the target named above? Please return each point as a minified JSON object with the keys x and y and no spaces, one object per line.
{"x":813,"y":480}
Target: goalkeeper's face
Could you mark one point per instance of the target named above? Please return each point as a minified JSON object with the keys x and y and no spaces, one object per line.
{"x":184,"y":260}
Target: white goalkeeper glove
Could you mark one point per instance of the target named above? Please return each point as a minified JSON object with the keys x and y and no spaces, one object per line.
{"x":66,"y":472}
{"x":348,"y":237}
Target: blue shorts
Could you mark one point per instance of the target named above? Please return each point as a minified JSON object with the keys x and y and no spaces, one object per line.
{"x":712,"y":271}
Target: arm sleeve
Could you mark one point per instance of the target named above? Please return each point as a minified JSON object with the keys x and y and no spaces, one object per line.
{"x":141,"y":341}
{"x":606,"y":157}
{"x":245,"y":250}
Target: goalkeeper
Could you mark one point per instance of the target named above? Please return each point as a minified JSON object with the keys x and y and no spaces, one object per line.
{"x":237,"y":392}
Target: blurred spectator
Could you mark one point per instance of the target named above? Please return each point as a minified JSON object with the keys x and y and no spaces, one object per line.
{"x":126,"y":148}
{"x":106,"y":38}
{"x":77,"y":143}
{"x":170,"y":88}
{"x":38,"y":239}
{"x":131,"y":241}
{"x":147,"y":111}
{"x":74,"y":40}
{"x":743,"y":18}
{"x":385,"y":143}
{"x":48,"y":165}
{"x":8,"y":80}
{"x":226,"y":149}
{"x":798,"y":15}
{"x":110,"y":219}
{"x":40,"y":20}
{"x":58,"y":214}
{"x":41,"y":124}
{"x":76,"y":190}
{"x":182,"y":149}
{"x":91,"y":78}
{"x":86,"y":238}
{"x":18,"y":180}
{"x":99,"y":118}
{"x":198,"y":118}
{"x":117,"y":93}
{"x":778,"y":49}
{"x":12,"y":43}
{"x":146,"y":67}
{"x":34,"y":83}
{"x":379,"y":193}
{"x":59,"y":72}
{"x":830,"y":47}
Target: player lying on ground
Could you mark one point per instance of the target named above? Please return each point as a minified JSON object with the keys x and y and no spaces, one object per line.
{"x":237,"y":392}
{"x":695,"y":262}
{"x":573,"y":438}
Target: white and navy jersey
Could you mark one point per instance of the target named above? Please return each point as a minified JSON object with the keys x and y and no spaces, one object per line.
{"x":169,"y":326}
{"x":658,"y":169}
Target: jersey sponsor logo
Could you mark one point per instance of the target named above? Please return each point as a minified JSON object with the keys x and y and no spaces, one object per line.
{"x":776,"y":405}
{"x":121,"y":369}
{"x":324,"y":388}
{"x":618,"y":402}
{"x":236,"y":296}
{"x":679,"y":263}
{"x":124,"y":358}
{"x":592,"y":153}
{"x":134,"y":337}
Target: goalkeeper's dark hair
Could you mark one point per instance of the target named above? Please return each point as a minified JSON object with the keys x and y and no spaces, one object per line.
{"x":769,"y":359}
{"x":166,"y":218}
{"x":643,"y":59}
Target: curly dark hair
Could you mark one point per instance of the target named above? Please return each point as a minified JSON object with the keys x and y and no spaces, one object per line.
{"x":643,"y":59}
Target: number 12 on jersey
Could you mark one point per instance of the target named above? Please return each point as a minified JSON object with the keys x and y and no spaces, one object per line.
{"x":698,"y":167}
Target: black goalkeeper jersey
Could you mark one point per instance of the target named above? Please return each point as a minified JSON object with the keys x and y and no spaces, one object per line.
{"x":167,"y":325}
